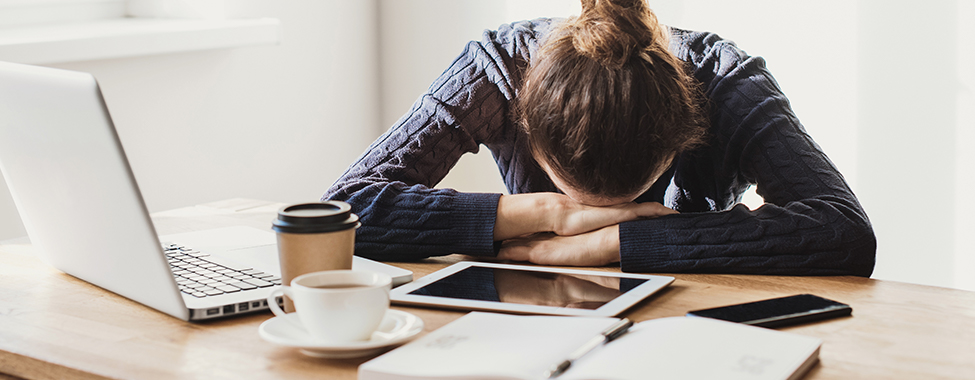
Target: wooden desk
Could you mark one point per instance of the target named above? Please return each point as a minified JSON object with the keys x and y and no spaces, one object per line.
{"x":54,"y":326}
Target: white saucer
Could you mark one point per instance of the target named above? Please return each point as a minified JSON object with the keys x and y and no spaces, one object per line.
{"x":282,"y":332}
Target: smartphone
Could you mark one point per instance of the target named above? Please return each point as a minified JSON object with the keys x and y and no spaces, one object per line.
{"x":778,"y":312}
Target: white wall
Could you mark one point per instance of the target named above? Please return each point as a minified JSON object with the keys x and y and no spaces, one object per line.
{"x":267,"y":122}
{"x":881,"y":85}
{"x":964,"y":208}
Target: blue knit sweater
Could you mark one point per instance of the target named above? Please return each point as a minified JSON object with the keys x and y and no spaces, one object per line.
{"x":811,"y":222}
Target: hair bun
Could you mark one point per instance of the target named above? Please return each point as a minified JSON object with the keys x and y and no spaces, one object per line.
{"x":612,"y":31}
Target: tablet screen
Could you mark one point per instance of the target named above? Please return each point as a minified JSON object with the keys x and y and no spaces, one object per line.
{"x":568,"y":290}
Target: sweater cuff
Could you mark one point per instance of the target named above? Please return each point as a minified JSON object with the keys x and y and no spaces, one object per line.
{"x":642,"y":246}
{"x":472,"y":220}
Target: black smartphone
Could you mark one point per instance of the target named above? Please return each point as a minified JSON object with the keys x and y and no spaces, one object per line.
{"x":778,"y":312}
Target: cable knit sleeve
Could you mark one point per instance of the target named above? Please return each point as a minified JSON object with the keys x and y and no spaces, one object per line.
{"x":811,"y":224}
{"x":391,"y":186}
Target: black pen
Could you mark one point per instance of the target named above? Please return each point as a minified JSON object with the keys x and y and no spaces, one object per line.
{"x":613,"y":332}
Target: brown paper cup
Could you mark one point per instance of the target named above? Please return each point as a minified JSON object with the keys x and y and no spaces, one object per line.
{"x":314,"y":237}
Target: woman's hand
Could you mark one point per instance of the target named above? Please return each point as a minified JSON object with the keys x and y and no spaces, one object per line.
{"x":576,"y":218}
{"x":552,"y":229}
{"x":526,"y":214}
{"x":595,"y":248}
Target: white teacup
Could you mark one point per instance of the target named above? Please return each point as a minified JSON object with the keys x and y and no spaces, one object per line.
{"x":338,"y":306}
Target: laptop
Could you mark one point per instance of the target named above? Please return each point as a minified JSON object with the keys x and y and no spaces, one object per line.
{"x":84,"y":214}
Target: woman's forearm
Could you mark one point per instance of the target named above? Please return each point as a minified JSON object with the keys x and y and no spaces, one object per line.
{"x":524,"y":214}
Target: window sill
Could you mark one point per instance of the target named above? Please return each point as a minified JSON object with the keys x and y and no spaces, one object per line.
{"x":130,"y":37}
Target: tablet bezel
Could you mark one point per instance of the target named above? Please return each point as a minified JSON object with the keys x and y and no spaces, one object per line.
{"x":401,"y":296}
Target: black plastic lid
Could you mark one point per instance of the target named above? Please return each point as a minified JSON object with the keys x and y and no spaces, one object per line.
{"x":313,"y":218}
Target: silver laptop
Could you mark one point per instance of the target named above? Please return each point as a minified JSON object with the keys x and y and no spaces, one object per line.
{"x":83,"y":211}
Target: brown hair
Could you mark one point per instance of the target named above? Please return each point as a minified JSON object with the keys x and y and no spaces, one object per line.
{"x":605,"y":104}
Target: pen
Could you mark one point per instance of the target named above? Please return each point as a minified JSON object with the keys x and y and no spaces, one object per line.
{"x":613,"y":332}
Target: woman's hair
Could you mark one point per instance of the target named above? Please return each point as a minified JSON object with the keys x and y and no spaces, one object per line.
{"x":605,"y":104}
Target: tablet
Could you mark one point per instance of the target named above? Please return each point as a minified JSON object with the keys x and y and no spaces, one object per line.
{"x":529,"y":290}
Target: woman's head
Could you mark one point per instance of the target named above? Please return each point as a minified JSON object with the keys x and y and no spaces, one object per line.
{"x":606,"y":105}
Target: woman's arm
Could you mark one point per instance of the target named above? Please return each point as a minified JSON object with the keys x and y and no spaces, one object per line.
{"x":391,"y":185}
{"x":811,"y":223}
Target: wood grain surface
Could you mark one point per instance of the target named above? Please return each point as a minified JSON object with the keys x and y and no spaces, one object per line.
{"x":54,"y":326}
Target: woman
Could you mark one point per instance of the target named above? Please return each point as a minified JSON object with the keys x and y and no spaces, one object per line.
{"x":619,"y":140}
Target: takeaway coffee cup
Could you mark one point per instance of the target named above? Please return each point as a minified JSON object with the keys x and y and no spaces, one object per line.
{"x":339,"y":306}
{"x":314,"y":237}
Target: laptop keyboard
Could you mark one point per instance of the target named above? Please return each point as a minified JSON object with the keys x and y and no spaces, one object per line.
{"x":200,"y":275}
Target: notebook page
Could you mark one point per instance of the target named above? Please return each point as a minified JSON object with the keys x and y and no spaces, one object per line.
{"x":697,"y":348}
{"x":488,"y":346}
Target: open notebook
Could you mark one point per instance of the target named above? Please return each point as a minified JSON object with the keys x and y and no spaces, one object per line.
{"x":500,"y":346}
